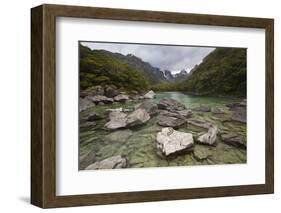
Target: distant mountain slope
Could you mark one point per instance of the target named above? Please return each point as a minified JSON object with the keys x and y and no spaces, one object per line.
{"x":152,"y":74}
{"x":100,"y":67}
{"x":222,"y":72}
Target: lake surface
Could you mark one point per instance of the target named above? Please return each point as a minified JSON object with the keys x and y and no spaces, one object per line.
{"x":138,"y":144}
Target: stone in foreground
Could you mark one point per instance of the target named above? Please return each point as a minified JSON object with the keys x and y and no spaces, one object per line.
{"x":150,"y":95}
{"x":138,"y":117}
{"x":210,"y":137}
{"x":117,"y":120}
{"x":115,"y":162}
{"x":171,"y":142}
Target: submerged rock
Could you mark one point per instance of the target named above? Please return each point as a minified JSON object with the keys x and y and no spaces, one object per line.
{"x":88,"y":124}
{"x":115,"y":162}
{"x":94,"y":116}
{"x":216,"y":110}
{"x":210,"y":137}
{"x":233,"y":140}
{"x":150,"y":95}
{"x":169,"y":121}
{"x":87,"y":159}
{"x":85,"y":103}
{"x":120,"y":136}
{"x":171,"y":142}
{"x":121,"y":98}
{"x":187,"y":113}
{"x":170,"y":105}
{"x":201,"y":152}
{"x":202,"y":108}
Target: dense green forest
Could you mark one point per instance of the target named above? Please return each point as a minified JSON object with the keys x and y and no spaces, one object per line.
{"x":99,"y":67}
{"x":222,"y":72}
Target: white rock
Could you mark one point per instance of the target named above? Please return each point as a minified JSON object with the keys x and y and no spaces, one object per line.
{"x":210,"y":137}
{"x":149,"y":95}
{"x":170,"y":141}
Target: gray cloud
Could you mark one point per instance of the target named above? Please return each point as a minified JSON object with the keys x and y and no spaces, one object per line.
{"x":172,"y":58}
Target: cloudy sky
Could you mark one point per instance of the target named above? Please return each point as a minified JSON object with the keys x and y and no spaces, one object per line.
{"x":173,"y":58}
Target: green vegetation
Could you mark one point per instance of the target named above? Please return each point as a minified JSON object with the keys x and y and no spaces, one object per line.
{"x":99,"y":67}
{"x":222,"y":72}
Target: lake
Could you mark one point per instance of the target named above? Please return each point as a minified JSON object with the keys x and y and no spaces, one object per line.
{"x":137,"y":144}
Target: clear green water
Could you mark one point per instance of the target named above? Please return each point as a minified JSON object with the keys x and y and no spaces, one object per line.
{"x":96,"y":143}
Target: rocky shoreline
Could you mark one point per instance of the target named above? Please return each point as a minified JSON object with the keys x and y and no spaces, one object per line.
{"x":174,"y":121}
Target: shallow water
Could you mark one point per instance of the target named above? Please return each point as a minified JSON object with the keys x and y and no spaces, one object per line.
{"x":139,"y":148}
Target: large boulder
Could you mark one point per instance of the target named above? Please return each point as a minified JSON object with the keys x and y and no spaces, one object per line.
{"x":150,"y":95}
{"x":121,"y":98}
{"x":187,"y":113}
{"x":119,"y":119}
{"x":115,"y":162}
{"x":170,"y":105}
{"x":169,"y":121}
{"x":209,"y":138}
{"x":171,"y":142}
{"x":101,"y":99}
{"x":233,"y":140}
{"x":120,"y":136}
{"x":137,"y":117}
{"x":150,"y":107}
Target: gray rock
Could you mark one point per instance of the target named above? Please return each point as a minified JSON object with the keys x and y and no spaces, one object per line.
{"x":120,"y":136}
{"x":239,"y":114}
{"x":172,"y":142}
{"x":121,"y":120}
{"x":117,"y":120}
{"x":121,"y":98}
{"x":115,"y":162}
{"x":151,"y":108}
{"x":210,"y":137}
{"x":233,"y":140}
{"x":168,"y":121}
{"x":170,"y":105}
{"x":101,"y":99}
{"x":150,"y":95}
{"x":187,"y":113}
{"x":201,"y":152}
{"x":199,"y":123}
{"x":137,"y":117}
{"x":94,"y":116}
{"x":202,"y":108}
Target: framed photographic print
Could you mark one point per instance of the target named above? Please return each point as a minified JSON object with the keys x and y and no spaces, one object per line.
{"x":136,"y":106}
